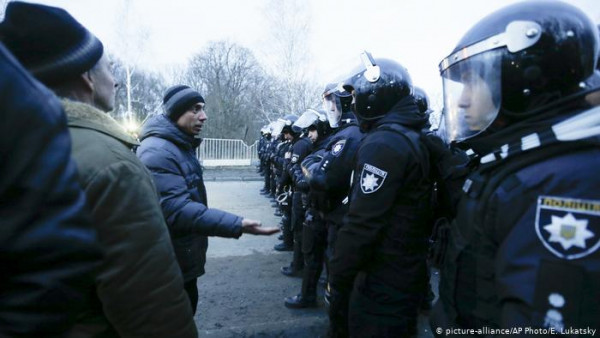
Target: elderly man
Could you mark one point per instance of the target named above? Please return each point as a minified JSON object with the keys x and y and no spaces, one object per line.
{"x":139,"y":289}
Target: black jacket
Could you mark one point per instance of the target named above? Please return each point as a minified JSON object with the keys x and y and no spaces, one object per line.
{"x":524,"y":245}
{"x":383,"y":240}
{"x":331,"y":170}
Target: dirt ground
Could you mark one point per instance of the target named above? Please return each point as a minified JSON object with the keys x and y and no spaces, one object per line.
{"x":242,"y":292}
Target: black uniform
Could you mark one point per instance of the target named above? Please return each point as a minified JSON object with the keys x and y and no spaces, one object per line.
{"x":383,"y":241}
{"x":333,"y":173}
{"x":300,"y":149}
{"x":523,"y":250}
{"x":264,"y":153}
{"x":283,"y":184}
{"x":314,"y":232}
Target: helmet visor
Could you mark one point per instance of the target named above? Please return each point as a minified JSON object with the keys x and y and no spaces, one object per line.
{"x":333,"y":108}
{"x":277,"y":127}
{"x":472,"y":95}
{"x":307,"y":118}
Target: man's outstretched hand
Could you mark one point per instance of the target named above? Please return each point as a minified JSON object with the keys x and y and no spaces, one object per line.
{"x":250,"y":226}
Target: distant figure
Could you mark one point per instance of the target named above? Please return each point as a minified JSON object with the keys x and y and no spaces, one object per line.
{"x":168,"y":149}
{"x":48,"y":249}
{"x":139,"y":289}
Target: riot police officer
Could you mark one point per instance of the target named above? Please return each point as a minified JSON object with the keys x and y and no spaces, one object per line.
{"x":263,"y":151}
{"x":314,"y":233}
{"x":283,"y":178}
{"x":330,"y":172}
{"x":301,"y":147}
{"x":381,"y":248}
{"x":523,"y":250}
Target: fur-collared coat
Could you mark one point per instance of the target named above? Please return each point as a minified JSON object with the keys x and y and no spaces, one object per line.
{"x":139,"y":288}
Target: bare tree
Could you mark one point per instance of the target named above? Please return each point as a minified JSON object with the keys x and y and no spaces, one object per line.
{"x":132,"y":36}
{"x":289,"y":23}
{"x":237,"y":91}
{"x":141,"y":98}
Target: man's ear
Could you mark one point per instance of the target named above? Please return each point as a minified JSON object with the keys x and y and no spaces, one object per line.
{"x":87,"y":80}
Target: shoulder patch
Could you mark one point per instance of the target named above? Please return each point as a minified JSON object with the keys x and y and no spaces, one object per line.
{"x":294,"y":158}
{"x":567,"y":227}
{"x":337,"y":147}
{"x":371,"y":178}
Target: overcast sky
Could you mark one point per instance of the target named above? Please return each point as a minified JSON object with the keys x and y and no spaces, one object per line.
{"x":416,"y":33}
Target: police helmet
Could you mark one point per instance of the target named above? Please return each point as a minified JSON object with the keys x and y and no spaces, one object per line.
{"x":276,"y":127}
{"x":514,"y":61}
{"x":321,"y":125}
{"x":336,"y":102}
{"x":377,"y":87}
{"x":288,"y":122}
{"x":422,"y":100}
{"x":309,"y":118}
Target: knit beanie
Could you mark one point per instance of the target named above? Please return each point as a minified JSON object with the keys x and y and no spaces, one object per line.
{"x":48,"y":41}
{"x":178,"y":99}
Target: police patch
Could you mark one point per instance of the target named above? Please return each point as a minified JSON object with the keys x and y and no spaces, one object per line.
{"x":569,"y":228}
{"x":337,"y":148}
{"x":371,"y":179}
{"x":294,"y":158}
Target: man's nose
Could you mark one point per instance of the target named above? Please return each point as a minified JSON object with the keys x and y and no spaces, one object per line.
{"x":464,"y":100}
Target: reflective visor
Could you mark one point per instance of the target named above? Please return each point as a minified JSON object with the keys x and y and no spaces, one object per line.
{"x":307,"y":118}
{"x":472,"y":95}
{"x":277,"y":127}
{"x":472,"y":79}
{"x":333,"y":108}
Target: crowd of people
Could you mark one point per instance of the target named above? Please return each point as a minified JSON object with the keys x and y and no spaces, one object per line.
{"x":106,"y":235}
{"x":501,"y":199}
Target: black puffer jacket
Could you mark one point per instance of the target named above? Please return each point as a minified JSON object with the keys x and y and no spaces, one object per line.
{"x":170,"y":154}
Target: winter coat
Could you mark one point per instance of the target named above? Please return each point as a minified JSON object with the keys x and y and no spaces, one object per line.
{"x":139,"y":288}
{"x":48,"y":249}
{"x":170,"y":154}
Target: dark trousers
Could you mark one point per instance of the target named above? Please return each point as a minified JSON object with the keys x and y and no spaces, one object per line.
{"x":191,"y":288}
{"x":267,"y":175}
{"x":297,"y":225}
{"x":314,"y":243}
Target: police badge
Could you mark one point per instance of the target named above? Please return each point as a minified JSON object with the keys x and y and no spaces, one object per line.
{"x":569,"y":228}
{"x":371,"y":179}
{"x":337,"y":147}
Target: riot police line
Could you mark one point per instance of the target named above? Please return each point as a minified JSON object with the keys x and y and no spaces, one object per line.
{"x":502,"y":198}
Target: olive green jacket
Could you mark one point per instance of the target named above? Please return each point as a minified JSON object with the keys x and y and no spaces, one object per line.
{"x":139,"y":289}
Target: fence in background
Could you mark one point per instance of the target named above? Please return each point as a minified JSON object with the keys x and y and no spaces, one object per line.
{"x":215,"y":152}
